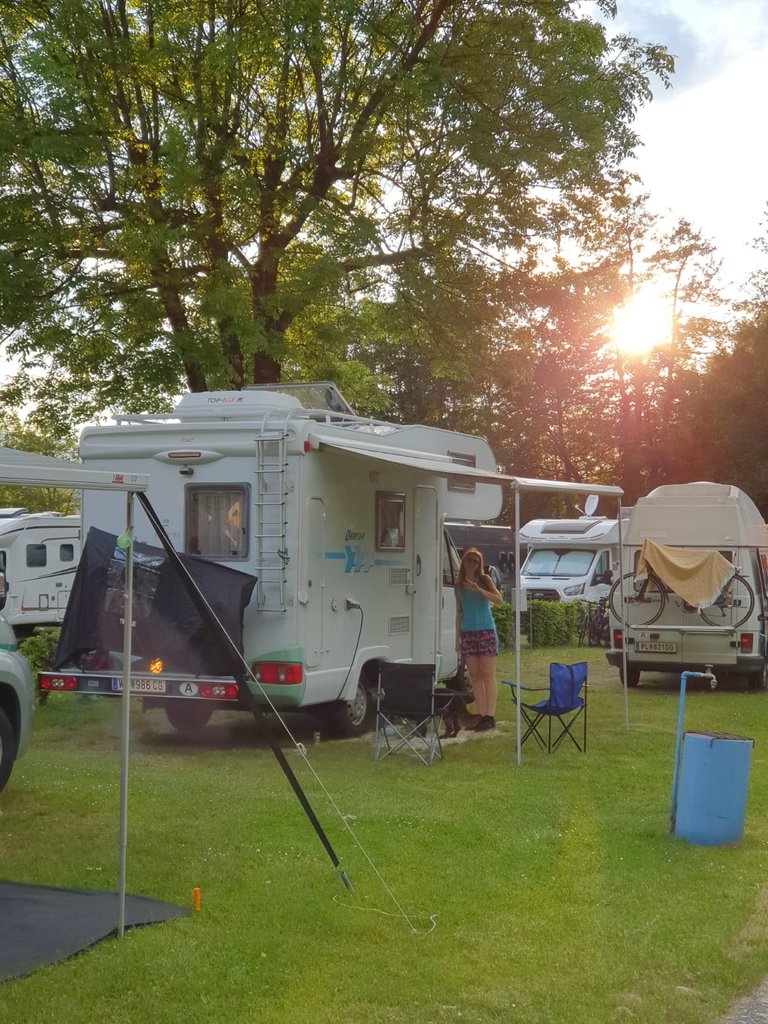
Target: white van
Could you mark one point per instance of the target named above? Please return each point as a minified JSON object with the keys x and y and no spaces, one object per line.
{"x":569,"y":559}
{"x":664,"y":633}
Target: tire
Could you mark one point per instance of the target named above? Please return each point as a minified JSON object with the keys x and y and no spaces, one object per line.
{"x":735,"y":608}
{"x":8,"y":747}
{"x":584,"y":629}
{"x":351,"y":718}
{"x":645,"y":610}
{"x":633,"y":675}
{"x":188,"y":715}
{"x":463,"y":683}
{"x":757,"y":682}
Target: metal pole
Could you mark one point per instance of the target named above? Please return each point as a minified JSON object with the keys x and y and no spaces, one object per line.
{"x":125,"y":539}
{"x":678,"y":744}
{"x":518,"y":599}
{"x":623,"y":622}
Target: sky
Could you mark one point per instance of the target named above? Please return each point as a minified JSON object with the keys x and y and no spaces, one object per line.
{"x":705,"y":148}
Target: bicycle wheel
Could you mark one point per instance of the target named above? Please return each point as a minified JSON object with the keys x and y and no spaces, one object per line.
{"x":734,"y":605}
{"x":584,"y":628}
{"x":644,"y":600}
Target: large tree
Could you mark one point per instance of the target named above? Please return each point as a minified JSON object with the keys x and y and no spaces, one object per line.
{"x":201,"y":193}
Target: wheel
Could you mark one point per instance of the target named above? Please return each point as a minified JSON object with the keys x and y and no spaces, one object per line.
{"x":8,"y":747}
{"x":354,"y":717}
{"x":645,"y":600}
{"x":584,"y":629}
{"x":757,"y":682}
{"x":603,"y":632}
{"x":633,"y":675}
{"x":463,"y":683}
{"x":734,"y":605}
{"x":188,"y":715}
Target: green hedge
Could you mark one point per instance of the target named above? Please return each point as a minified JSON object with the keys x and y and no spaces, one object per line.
{"x":545,"y":624}
{"x":39,"y":648}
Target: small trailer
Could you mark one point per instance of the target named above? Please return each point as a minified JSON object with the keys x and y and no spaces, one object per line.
{"x":339,"y":517}
{"x":39,"y":552}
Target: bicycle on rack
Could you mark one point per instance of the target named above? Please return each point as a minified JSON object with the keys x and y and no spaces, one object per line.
{"x":594,"y":630}
{"x":646,"y":599}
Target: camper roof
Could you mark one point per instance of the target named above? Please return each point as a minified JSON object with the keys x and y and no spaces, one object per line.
{"x":698,"y":514}
{"x":590,"y":529}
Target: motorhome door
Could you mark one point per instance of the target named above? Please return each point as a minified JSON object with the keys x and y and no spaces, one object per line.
{"x":427,"y":573}
{"x":312,"y":592}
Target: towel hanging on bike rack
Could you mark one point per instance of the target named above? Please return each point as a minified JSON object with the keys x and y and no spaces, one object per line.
{"x":696,"y":576}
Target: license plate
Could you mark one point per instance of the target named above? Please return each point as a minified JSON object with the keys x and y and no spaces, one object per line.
{"x":656,"y":647}
{"x":139,"y":685}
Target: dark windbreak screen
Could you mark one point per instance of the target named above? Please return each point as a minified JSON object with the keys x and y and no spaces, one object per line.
{"x":166,"y":622}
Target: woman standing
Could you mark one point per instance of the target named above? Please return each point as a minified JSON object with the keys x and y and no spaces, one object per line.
{"x":476,"y":638}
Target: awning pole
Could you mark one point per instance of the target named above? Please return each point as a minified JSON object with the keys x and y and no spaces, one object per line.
{"x":125,"y":725}
{"x":518,"y":600}
{"x":623,"y":624}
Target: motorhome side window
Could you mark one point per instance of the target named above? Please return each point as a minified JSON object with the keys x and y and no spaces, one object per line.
{"x":37,"y":556}
{"x":66,"y":552}
{"x":390,"y":521}
{"x":216,"y":521}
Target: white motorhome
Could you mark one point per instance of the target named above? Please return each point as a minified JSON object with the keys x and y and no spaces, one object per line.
{"x":39,"y":552}
{"x":664,"y":633}
{"x":339,"y":517}
{"x":569,"y":559}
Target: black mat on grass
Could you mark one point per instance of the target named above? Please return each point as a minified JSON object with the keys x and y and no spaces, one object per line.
{"x":40,"y":925}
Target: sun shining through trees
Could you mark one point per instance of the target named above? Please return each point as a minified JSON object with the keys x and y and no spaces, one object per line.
{"x":642,"y":323}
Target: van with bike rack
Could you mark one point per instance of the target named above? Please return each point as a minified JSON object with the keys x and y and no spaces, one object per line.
{"x":715,"y":529}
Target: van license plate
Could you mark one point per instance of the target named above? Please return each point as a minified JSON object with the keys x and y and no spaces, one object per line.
{"x":655,"y":647}
{"x":141,"y":685}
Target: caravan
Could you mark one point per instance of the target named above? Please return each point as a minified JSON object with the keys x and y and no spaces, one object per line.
{"x":339,"y":517}
{"x":39,"y":552}
{"x":664,"y":632}
{"x":569,"y":559}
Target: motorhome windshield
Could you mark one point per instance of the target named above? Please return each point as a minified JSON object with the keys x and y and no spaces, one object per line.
{"x":558,"y":562}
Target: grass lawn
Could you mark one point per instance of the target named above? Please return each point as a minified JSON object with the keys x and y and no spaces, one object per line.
{"x":555,"y":890}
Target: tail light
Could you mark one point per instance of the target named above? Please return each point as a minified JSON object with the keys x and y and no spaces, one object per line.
{"x":278,"y":672}
{"x":56,"y":683}
{"x":746,"y":642}
{"x":618,"y":638}
{"x":219,"y":691}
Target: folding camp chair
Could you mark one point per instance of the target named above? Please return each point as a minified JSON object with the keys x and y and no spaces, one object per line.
{"x":566,"y":702}
{"x":409,"y":711}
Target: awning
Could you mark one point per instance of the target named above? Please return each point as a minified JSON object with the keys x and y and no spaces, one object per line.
{"x":427,"y":462}
{"x":42,"y":471}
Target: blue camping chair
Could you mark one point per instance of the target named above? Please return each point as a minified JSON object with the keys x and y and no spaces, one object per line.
{"x":565,"y":705}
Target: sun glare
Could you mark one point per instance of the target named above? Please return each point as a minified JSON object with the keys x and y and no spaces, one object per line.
{"x":642,"y":323}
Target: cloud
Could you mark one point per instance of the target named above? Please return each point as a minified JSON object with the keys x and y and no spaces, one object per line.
{"x":704,"y":36}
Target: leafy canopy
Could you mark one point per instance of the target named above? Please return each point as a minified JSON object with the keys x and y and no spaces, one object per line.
{"x":197,"y":189}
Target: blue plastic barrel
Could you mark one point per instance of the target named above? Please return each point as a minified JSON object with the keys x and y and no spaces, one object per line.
{"x":712,"y":794}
